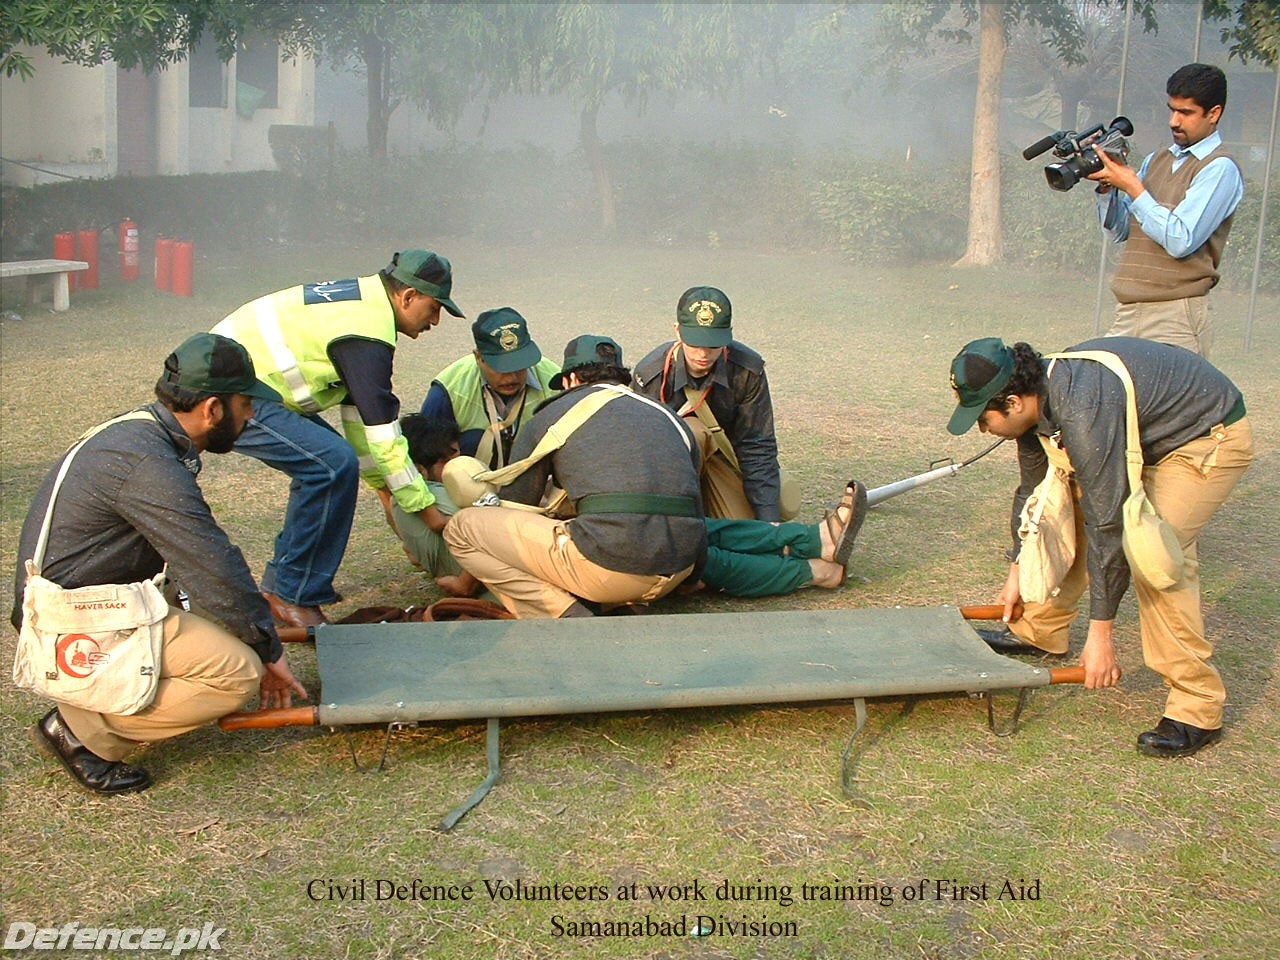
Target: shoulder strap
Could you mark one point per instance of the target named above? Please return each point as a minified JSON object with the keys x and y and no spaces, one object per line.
{"x":491,"y":437}
{"x":555,"y":437}
{"x":704,"y":414}
{"x":1133,"y":440}
{"x":37,"y":559}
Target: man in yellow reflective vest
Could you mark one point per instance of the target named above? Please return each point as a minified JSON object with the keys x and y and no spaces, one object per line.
{"x":320,"y":345}
{"x":492,"y":393}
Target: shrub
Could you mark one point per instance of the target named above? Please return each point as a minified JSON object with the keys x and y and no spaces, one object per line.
{"x":909,"y":213}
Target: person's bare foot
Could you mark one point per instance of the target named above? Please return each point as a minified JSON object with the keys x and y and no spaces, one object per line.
{"x":827,"y":574}
{"x":462,"y":585}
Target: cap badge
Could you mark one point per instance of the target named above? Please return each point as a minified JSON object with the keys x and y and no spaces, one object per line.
{"x":704,"y":312}
{"x":508,"y":339}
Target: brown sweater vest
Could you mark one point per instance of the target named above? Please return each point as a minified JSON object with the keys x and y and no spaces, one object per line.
{"x":1147,"y":272}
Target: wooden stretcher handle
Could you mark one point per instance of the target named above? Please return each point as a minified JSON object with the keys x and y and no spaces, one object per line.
{"x":270,"y":719}
{"x":296,"y":634}
{"x":981,"y":611}
{"x":1066,"y":674}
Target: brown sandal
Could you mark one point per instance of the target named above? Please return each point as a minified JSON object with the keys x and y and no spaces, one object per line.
{"x":843,"y":537}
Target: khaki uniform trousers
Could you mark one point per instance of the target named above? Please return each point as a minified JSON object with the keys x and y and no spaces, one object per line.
{"x":1186,"y":488}
{"x":205,"y":674}
{"x":1183,"y":323}
{"x":722,"y":493}
{"x":532,"y":566}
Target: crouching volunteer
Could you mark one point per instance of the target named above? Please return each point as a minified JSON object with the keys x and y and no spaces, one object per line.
{"x":127,"y":506}
{"x":627,"y":464}
{"x":492,"y":392}
{"x":321,"y":345}
{"x":1071,"y":412}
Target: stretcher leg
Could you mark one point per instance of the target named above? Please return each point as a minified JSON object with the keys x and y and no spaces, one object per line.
{"x":393,"y":726}
{"x":1010,"y":727}
{"x":494,"y":757}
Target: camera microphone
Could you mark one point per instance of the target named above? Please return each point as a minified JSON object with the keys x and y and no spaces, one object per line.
{"x":1040,"y":146}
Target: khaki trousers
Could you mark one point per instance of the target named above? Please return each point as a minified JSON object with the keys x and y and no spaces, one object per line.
{"x":205,"y":674}
{"x":1183,"y":323}
{"x":1186,"y":488}
{"x":722,"y":493}
{"x":532,"y":566}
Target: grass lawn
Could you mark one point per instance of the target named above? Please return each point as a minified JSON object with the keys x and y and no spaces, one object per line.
{"x":1060,"y":841}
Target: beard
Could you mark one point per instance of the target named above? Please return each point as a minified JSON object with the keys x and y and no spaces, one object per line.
{"x":224,"y":434}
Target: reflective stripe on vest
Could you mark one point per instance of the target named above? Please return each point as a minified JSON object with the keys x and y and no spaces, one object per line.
{"x":282,"y":356}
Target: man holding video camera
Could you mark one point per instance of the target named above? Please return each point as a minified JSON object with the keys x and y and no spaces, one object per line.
{"x":1182,"y":200}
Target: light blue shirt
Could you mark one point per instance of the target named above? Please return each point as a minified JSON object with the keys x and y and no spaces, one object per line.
{"x":1211,"y":198}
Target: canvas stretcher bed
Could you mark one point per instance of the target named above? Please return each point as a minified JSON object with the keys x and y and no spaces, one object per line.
{"x":405,"y":673}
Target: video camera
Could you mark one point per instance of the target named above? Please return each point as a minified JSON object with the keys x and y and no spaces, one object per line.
{"x":1078,"y":151}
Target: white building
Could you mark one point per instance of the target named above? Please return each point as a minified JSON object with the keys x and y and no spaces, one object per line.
{"x":197,"y":116}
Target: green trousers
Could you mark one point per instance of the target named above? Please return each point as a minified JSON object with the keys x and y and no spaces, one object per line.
{"x":745,"y":557}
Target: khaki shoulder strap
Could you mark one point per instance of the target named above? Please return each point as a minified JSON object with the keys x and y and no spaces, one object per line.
{"x":702,"y":410}
{"x":491,"y":438}
{"x":1133,"y":440}
{"x":556,"y":436}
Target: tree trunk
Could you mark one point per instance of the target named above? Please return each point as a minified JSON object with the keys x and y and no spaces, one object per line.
{"x":595,"y":159}
{"x":1070,"y":92}
{"x":377,"y":64}
{"x":984,"y":246}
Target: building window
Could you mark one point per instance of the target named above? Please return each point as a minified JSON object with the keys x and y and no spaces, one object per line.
{"x":258,"y":65}
{"x":207,"y":76}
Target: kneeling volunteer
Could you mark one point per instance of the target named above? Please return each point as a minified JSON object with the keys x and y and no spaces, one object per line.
{"x":129,"y":505}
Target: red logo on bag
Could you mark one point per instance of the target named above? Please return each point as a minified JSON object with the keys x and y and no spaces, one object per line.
{"x":79,"y":654}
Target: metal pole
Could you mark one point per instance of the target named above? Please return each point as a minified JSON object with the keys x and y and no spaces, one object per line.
{"x":1262,"y":216}
{"x":1102,"y":249}
{"x":1195,"y":48}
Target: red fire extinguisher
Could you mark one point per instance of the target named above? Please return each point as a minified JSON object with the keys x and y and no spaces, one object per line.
{"x":164,"y":263}
{"x":183,"y":267}
{"x":64,"y":248}
{"x":129,"y":250}
{"x":87,"y":250}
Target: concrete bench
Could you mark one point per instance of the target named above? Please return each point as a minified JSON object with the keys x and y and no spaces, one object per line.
{"x":33,"y":269}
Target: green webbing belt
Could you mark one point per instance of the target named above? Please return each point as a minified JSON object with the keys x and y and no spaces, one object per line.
{"x":663,"y":504}
{"x":1237,"y":413}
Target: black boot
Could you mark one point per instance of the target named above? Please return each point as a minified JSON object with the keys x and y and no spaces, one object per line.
{"x":1173,"y":738}
{"x":1004,"y":640}
{"x":52,"y":735}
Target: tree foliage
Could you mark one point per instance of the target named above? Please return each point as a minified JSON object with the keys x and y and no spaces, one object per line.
{"x":590,"y":52}
{"x":415,"y":52}
{"x":908,"y":31}
{"x":1250,"y":27}
{"x":146,"y":33}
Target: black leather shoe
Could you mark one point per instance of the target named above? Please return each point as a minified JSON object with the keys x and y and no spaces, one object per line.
{"x":1003,"y":640}
{"x":1172,"y":738}
{"x":52,"y":735}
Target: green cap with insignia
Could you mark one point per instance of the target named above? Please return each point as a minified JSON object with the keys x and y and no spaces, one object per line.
{"x":502,"y":338}
{"x":705,"y":316}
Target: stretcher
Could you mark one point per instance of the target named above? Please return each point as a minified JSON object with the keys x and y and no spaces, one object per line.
{"x":402,"y":674}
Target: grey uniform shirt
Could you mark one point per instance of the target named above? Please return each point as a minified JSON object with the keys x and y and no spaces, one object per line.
{"x":629,"y":446}
{"x":129,"y":505}
{"x":1180,"y":397}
